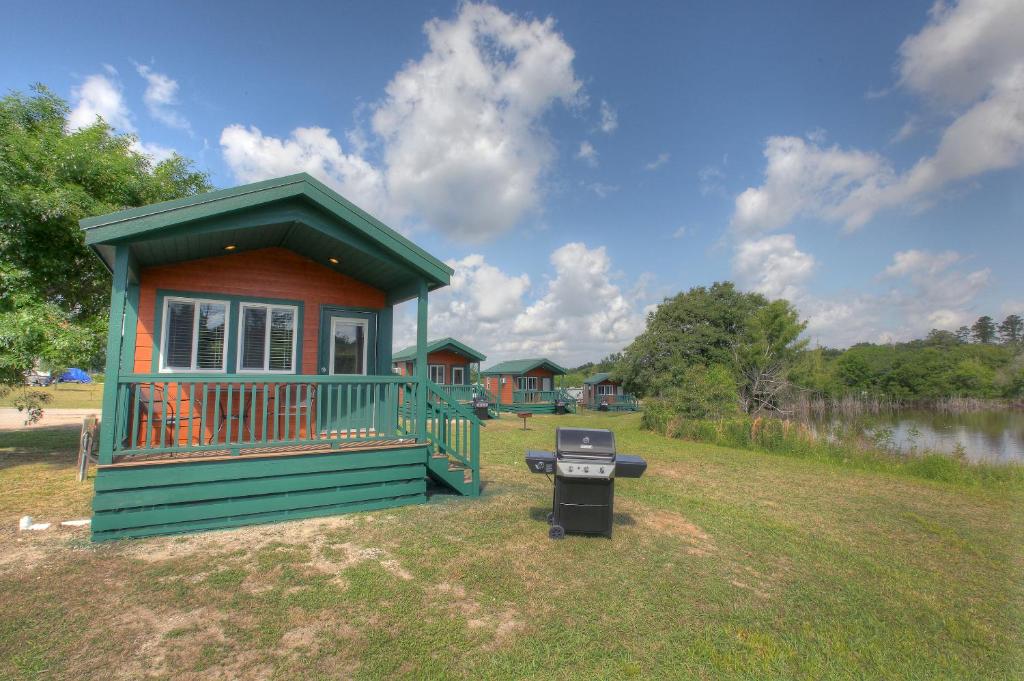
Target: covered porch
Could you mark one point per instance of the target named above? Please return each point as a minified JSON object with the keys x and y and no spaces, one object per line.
{"x":249,"y":364}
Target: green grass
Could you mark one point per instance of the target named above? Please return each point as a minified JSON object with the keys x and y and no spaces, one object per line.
{"x":64,"y":396}
{"x":725,"y":563}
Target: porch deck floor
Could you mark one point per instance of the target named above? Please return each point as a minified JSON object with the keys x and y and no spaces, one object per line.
{"x":248,"y":452}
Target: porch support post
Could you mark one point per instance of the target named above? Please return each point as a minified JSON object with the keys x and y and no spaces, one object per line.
{"x":112,"y":372}
{"x":421,"y":359}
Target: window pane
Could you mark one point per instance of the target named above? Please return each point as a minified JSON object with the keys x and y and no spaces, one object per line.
{"x":254,"y":337}
{"x":180,"y":316}
{"x":212,"y":320}
{"x":282,"y":334}
{"x":437,"y":373}
{"x":349,"y":342}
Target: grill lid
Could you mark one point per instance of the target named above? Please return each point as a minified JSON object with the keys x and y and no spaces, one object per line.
{"x":585,"y":442}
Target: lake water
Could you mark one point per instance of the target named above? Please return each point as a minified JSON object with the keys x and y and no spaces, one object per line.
{"x":990,"y":436}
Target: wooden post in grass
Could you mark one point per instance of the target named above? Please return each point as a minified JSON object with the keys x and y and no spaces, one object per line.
{"x":524,"y":415}
{"x":86,"y":445}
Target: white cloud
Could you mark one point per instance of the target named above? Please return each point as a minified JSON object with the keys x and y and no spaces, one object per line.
{"x":680,"y":233}
{"x":803,"y":178}
{"x":603,"y":190}
{"x":970,"y":54}
{"x":710,"y":180}
{"x":609,"y":118}
{"x":662,"y":159}
{"x":582,"y":312}
{"x":253,"y":156}
{"x":99,"y":96}
{"x":773,"y":266}
{"x":963,"y":49}
{"x":926,"y":291}
{"x":587,"y":153}
{"x":161,"y":97}
{"x":907,"y":130}
{"x":914,"y":262}
{"x":461,"y":129}
{"x":579,"y":314}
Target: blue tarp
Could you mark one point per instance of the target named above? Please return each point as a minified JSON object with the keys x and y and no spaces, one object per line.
{"x":74,"y":376}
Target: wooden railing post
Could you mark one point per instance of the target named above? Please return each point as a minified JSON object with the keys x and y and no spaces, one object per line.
{"x":421,"y":360}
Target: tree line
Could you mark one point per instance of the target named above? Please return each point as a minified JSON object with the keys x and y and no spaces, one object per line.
{"x":717,"y":351}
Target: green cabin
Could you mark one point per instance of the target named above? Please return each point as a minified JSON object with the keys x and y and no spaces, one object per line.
{"x":602,"y":392}
{"x":249,"y":365}
{"x":527,"y":385}
{"x":451,"y":365}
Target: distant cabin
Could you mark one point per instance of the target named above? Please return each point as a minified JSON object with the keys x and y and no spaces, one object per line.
{"x":600,"y":391}
{"x":449,"y":362}
{"x":527,"y":385}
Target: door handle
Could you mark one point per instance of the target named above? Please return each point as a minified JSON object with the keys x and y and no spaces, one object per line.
{"x":323,"y":370}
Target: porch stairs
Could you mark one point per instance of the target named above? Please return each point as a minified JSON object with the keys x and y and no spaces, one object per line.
{"x":453,"y":436}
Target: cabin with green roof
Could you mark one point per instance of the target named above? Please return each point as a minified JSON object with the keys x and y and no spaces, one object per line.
{"x":527,"y":385}
{"x":603,"y":393}
{"x":249,"y":368}
{"x":450,"y":365}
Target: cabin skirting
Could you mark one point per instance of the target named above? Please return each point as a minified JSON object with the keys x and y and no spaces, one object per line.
{"x":171,"y":498}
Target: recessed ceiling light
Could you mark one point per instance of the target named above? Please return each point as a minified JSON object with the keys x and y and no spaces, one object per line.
{"x":230,"y":247}
{"x":333,"y":261}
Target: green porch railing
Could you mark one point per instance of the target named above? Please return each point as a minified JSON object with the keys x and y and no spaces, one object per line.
{"x":461,"y":393}
{"x":171,"y":413}
{"x":535,"y":396}
{"x":452,"y":428}
{"x":615,"y":402}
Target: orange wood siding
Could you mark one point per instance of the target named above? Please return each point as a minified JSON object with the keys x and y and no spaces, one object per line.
{"x":444,"y":357}
{"x":264,"y":273}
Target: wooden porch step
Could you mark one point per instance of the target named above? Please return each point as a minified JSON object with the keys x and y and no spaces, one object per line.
{"x":259,"y":452}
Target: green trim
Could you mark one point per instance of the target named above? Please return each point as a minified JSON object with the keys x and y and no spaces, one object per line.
{"x":118,"y":296}
{"x":515,"y":367}
{"x":139,"y":223}
{"x":409,"y":353}
{"x":324,"y":329}
{"x":231,"y":337}
{"x":597,"y":378}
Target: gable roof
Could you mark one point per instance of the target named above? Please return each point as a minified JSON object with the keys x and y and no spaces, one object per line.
{"x":521,"y":366}
{"x":409,"y":353}
{"x":296,"y":212}
{"x":598,"y":378}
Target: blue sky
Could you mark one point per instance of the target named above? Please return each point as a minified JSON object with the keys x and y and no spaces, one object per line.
{"x":578,"y":164}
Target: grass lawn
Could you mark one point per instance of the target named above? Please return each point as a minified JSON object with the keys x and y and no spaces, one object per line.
{"x":724,"y":564}
{"x":66,"y":396}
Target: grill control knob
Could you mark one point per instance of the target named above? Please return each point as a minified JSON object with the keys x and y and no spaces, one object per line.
{"x":586,"y":469}
{"x":602,"y":470}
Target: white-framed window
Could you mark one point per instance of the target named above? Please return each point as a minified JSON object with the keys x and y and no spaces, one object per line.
{"x":436,"y":373}
{"x":458,"y":375}
{"x":193,"y":335}
{"x":267,"y":338}
{"x":527,"y":382}
{"x":606,"y":389}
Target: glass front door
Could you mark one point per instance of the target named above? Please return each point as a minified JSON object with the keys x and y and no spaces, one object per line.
{"x":347,"y":348}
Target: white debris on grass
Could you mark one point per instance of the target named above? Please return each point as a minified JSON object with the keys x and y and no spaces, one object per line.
{"x":76,"y":523}
{"x":25,"y":522}
{"x":39,"y":526}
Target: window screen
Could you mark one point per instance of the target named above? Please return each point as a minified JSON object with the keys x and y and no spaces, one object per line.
{"x":267,"y":338}
{"x":194,"y":335}
{"x":437,"y":373}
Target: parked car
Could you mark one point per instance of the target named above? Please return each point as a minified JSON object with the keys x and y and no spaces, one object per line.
{"x":38,"y":378}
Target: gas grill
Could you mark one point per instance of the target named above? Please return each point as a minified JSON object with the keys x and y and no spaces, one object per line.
{"x":585,"y":465}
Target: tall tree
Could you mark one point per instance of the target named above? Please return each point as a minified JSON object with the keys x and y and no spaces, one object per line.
{"x":1011,"y":329}
{"x":984,"y":330}
{"x":50,"y":178}
{"x":763,"y":353}
{"x":963,"y":334}
{"x":698,"y":327}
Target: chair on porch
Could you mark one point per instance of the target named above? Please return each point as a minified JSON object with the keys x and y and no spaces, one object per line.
{"x":153,"y":408}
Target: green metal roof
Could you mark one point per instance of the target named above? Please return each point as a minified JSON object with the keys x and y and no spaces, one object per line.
{"x":521,"y":366}
{"x":597,"y":378}
{"x":409,"y":353}
{"x":295,"y":212}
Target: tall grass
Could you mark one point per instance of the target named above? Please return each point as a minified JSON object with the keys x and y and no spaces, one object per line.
{"x":805,"y":405}
{"x":845,"y":446}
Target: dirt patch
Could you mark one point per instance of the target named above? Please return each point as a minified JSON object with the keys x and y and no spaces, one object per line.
{"x":667,"y":522}
{"x":503,"y":625}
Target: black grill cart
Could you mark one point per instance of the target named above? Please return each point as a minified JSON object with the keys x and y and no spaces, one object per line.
{"x":585,"y":464}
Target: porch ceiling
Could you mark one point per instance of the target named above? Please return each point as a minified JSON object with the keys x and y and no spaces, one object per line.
{"x":297,"y":213}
